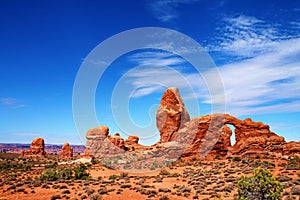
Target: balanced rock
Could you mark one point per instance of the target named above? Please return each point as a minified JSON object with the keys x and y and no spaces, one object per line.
{"x":66,"y":151}
{"x":37,"y":148}
{"x":171,"y":115}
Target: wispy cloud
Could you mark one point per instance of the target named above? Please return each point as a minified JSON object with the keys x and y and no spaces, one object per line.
{"x":11,"y":103}
{"x":266,"y":83}
{"x":265,"y":77}
{"x":247,"y":36}
{"x":156,"y":58}
{"x":167,"y":10}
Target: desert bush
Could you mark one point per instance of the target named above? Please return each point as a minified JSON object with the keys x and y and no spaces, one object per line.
{"x":55,"y":196}
{"x":263,"y":164}
{"x":49,"y":175}
{"x":65,"y":174}
{"x":125,"y":186}
{"x":164,"y":197}
{"x":164,"y":172}
{"x":89,"y":191}
{"x":166,"y":190}
{"x":295,"y":190}
{"x":293,"y":164}
{"x":95,"y":197}
{"x":113,"y":177}
{"x":123,"y":175}
{"x":284,"y":178}
{"x":236,"y":158}
{"x":80,"y":172}
{"x":66,"y":191}
{"x":262,"y":185}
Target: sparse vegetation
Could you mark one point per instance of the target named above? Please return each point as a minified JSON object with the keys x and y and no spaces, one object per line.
{"x":78,"y":172}
{"x":217,"y":179}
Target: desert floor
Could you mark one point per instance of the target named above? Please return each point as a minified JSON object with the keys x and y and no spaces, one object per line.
{"x":20,"y":179}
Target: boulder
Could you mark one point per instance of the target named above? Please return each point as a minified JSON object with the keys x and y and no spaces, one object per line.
{"x":132,"y":140}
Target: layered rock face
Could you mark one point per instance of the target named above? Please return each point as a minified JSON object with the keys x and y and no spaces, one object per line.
{"x":66,"y":151}
{"x":204,"y":137}
{"x":98,"y":142}
{"x":171,"y":115}
{"x":37,"y":148}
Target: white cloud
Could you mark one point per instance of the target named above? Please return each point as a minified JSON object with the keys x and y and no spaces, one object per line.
{"x":265,"y":84}
{"x":264,"y":79}
{"x":167,"y":10}
{"x":156,"y":58}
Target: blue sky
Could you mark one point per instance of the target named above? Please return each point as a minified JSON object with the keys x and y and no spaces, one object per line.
{"x":254,"y":44}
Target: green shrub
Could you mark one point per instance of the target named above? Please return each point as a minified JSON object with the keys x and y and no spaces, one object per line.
{"x":262,"y":185}
{"x":236,"y":158}
{"x":65,"y":174}
{"x":293,"y":164}
{"x":123,"y":175}
{"x":49,"y":175}
{"x":164,"y":172}
{"x":80,"y":172}
{"x":113,"y":177}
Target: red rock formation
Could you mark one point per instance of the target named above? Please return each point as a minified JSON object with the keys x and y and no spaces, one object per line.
{"x":292,"y":148}
{"x":132,"y":143}
{"x":99,"y":143}
{"x":171,"y":115}
{"x":132,"y":140}
{"x":211,"y":137}
{"x":98,"y":131}
{"x":66,"y":151}
{"x":205,"y":136}
{"x":37,"y":148}
{"x":117,"y":140}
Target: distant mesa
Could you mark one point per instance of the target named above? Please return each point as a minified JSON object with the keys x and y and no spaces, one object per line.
{"x":37,"y":149}
{"x":203,"y":137}
{"x":66,"y":151}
